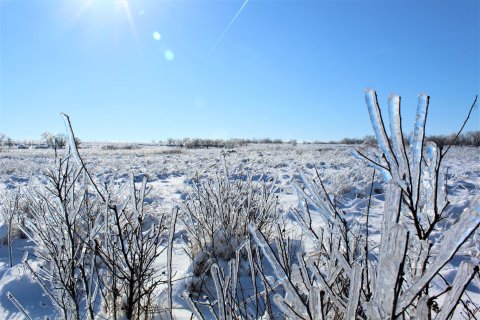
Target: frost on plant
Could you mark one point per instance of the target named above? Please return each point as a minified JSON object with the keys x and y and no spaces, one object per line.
{"x":96,"y":248}
{"x":216,"y":215}
{"x":397,"y":277}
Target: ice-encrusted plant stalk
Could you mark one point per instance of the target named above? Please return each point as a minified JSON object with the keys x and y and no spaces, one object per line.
{"x":10,"y":213}
{"x":18,"y":306}
{"x":171,"y":236}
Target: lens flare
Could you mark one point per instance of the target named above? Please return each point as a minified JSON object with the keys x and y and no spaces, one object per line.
{"x":169,"y":55}
{"x":157,"y":36}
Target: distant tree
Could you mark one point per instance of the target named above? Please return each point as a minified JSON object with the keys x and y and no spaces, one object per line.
{"x":440,"y":140}
{"x":9,"y":142}
{"x":370,"y":140}
{"x":473,"y":138}
{"x":60,"y":140}
{"x":351,"y":141}
{"x":48,"y":138}
{"x":171,"y":142}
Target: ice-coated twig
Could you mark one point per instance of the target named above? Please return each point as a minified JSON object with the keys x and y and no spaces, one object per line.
{"x":454,"y":237}
{"x":315,"y":303}
{"x":171,"y":236}
{"x":235,"y":268}
{"x":71,"y":139}
{"x":252,"y":273}
{"x":277,"y":268}
{"x":423,"y":310}
{"x":36,"y":277}
{"x":192,"y":306}
{"x":396,"y":134}
{"x":305,"y":223}
{"x":76,"y":154}
{"x":417,"y":144}
{"x":325,"y":287}
{"x":421,"y":258}
{"x":214,"y":269}
{"x":354,"y":291}
{"x":389,"y":269}
{"x":314,"y":198}
{"x":465,"y":273}
{"x":285,"y":308}
{"x":378,"y":126}
{"x":390,"y":215}
{"x":343,"y":263}
{"x":18,"y":305}
{"x":304,"y":271}
{"x":374,"y":164}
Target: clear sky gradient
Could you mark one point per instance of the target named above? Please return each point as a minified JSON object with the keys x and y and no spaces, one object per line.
{"x":141,"y":70}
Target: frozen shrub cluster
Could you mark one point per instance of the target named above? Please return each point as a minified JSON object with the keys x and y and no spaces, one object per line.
{"x":242,"y":287}
{"x":97,"y":249}
{"x":217,"y":213}
{"x":349,"y":275}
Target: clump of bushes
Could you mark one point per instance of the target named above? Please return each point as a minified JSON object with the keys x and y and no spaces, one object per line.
{"x":97,"y":248}
{"x":216,"y":214}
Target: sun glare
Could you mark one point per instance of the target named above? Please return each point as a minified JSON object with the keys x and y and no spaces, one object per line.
{"x":104,"y":9}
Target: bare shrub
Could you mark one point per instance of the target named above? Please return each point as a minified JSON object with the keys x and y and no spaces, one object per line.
{"x":218,"y":210}
{"x":97,"y":247}
{"x":61,"y":219}
{"x":242,"y":287}
{"x":216,"y":214}
{"x":349,"y":275}
{"x":472,"y":138}
{"x":127,"y":247}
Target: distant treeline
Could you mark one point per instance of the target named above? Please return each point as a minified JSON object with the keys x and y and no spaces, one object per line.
{"x":471,"y":138}
{"x":49,"y":140}
{"x":192,"y":143}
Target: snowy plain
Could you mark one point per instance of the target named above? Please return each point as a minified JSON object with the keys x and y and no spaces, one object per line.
{"x":169,"y":171}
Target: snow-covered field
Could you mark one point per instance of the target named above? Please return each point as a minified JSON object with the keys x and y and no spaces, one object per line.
{"x":169,"y":171}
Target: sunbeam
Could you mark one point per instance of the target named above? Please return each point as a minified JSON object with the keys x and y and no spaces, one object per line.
{"x":128,"y":13}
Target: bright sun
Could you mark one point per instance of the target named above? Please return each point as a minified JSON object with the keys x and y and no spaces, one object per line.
{"x":106,"y":8}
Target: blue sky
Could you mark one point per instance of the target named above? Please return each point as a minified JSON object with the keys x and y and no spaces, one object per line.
{"x":141,"y":70}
